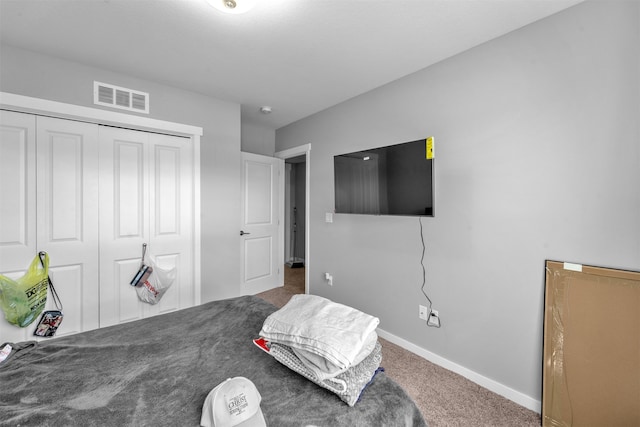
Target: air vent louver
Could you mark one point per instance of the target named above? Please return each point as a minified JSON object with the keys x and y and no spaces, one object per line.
{"x":120,"y":97}
{"x":139,"y":102}
{"x":105,"y":95}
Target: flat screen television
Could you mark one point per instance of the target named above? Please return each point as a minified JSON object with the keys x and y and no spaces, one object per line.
{"x":393,"y":180}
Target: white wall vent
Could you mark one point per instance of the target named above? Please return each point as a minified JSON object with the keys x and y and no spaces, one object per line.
{"x":120,"y":97}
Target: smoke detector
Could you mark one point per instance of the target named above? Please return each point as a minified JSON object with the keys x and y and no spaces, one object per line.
{"x":233,"y":6}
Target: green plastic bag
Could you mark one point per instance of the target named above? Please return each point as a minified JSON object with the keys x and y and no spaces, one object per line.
{"x":23,"y":299}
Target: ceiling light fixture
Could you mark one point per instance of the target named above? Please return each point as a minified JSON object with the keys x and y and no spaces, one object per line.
{"x":265,"y":110}
{"x":233,"y":6}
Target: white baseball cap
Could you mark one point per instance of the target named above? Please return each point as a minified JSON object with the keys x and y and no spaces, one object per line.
{"x":234,"y":402}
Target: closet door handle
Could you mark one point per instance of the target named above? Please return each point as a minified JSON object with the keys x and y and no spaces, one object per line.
{"x":242,"y":233}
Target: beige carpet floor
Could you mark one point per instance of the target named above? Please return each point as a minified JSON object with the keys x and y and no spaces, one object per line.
{"x":444,"y":397}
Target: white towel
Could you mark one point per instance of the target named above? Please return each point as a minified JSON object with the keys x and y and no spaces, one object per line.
{"x":311,"y":323}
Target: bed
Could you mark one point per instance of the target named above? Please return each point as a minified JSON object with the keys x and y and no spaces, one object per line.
{"x":158,"y":371}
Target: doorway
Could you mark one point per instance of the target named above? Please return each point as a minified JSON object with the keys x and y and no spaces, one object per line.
{"x":296,"y":217}
{"x":294,"y":210}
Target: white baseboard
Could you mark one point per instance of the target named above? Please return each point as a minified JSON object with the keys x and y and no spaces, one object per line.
{"x":496,"y":387}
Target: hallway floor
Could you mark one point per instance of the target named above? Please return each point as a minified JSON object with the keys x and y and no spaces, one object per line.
{"x":293,"y":284}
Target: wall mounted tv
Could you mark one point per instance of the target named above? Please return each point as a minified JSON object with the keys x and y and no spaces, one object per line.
{"x":393,"y":180}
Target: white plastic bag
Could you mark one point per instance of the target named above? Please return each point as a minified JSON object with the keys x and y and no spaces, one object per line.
{"x":158,"y":282}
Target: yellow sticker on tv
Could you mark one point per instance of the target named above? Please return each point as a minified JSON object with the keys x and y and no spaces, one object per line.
{"x":430,"y":147}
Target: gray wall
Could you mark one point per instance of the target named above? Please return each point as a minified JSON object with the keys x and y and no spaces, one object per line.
{"x":31,"y":74}
{"x":537,"y":157}
{"x":258,"y":139}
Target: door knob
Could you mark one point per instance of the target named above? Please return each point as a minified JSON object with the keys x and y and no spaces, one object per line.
{"x":242,"y":233}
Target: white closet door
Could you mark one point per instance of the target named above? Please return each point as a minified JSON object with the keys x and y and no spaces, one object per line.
{"x":124,"y":215}
{"x":17,"y":204}
{"x":67,"y":189}
{"x":17,"y":191}
{"x":146,"y":196}
{"x":48,"y":190}
{"x":171,"y":217}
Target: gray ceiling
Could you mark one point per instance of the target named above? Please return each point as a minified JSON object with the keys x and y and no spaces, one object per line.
{"x":297,"y":56}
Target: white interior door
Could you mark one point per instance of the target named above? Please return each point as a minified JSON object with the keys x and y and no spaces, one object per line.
{"x":262,"y":252}
{"x":146,"y":196}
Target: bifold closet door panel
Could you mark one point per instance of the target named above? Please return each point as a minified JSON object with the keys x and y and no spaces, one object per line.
{"x":171,"y":217}
{"x":17,"y":191}
{"x":67,"y":197}
{"x":49,"y":203}
{"x":124,"y":214}
{"x":17,"y":204}
{"x":146,"y":196}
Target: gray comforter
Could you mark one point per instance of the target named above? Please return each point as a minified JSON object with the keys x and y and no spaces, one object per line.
{"x":158,"y":371}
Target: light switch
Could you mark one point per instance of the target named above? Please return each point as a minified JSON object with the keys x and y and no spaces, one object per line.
{"x":328,"y":217}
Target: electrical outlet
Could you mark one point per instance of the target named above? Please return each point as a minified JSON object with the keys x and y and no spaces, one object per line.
{"x":434,"y":319}
{"x":423,"y":312}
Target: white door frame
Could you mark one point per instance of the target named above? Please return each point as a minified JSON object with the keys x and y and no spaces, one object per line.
{"x":287,"y":154}
{"x":27,"y":104}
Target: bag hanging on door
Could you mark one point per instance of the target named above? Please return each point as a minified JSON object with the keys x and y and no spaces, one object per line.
{"x":23,"y":299}
{"x":156,"y":283}
{"x":144,"y":271}
{"x":51,"y":319}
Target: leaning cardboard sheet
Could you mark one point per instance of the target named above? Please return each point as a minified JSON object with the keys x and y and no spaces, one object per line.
{"x":331,"y":344}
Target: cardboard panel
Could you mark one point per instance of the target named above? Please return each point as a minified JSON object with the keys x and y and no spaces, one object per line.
{"x":591,"y":374}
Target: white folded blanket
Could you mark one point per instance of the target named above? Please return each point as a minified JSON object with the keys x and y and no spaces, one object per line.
{"x":322,"y":369}
{"x":310,"y":323}
{"x":348,"y":385}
